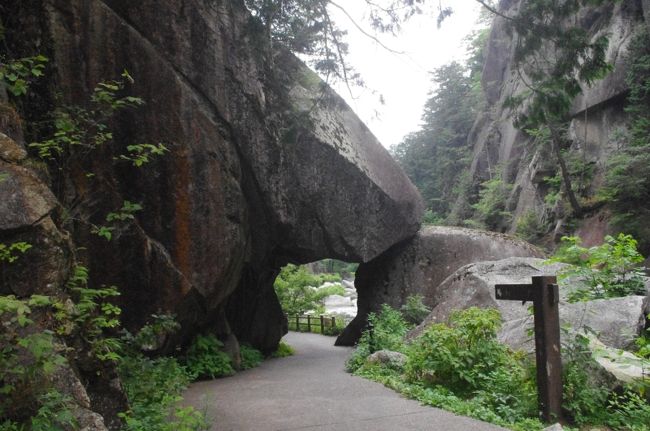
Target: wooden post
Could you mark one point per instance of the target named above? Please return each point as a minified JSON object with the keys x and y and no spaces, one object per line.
{"x":308,"y":323}
{"x":333,"y":322}
{"x":297,"y":323}
{"x":322,"y":324}
{"x":545,"y":296}
{"x":547,"y":347}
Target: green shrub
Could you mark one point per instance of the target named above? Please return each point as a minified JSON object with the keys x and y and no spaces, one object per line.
{"x":529,"y":227}
{"x":462,"y":368}
{"x":250,"y":357}
{"x":153,"y":388}
{"x":460,"y":355}
{"x":337,"y":329}
{"x":608,"y":270}
{"x":205,"y":359}
{"x":387,"y":333}
{"x":414,"y":311}
{"x":490,"y":210}
{"x":283,"y":350}
{"x":583,"y":399}
{"x":628,"y":411}
{"x":433,"y":218}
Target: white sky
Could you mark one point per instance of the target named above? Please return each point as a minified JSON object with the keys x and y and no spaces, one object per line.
{"x":402,"y":79}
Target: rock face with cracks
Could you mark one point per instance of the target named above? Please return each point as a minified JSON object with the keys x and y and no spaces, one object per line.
{"x":267,"y":165}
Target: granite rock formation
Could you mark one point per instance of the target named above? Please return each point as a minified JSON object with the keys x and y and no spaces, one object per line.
{"x":419,"y":265}
{"x":597,"y":116}
{"x":267,"y":165}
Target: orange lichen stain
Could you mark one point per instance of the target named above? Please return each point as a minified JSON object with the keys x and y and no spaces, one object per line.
{"x":182,"y":218}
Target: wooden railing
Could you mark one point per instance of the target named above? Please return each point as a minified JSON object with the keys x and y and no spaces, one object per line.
{"x":308,"y":323}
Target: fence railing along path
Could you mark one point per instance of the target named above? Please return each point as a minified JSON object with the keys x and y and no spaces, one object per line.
{"x":308,"y":323}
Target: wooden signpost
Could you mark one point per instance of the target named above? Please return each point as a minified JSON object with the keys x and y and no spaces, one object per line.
{"x":545,"y":297}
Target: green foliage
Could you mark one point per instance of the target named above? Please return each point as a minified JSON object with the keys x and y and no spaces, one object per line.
{"x":432,"y":218}
{"x":8,"y":252}
{"x":250,"y":357}
{"x":153,"y":388}
{"x":28,"y":355}
{"x":459,"y":355}
{"x":386,"y":331}
{"x":462,"y":368}
{"x":54,"y":413}
{"x":298,"y":292}
{"x":124,"y":214}
{"x":283,"y":350}
{"x":86,"y":130}
{"x":92,"y":315}
{"x":414,"y":311}
{"x":607,"y":271}
{"x":556,"y":57}
{"x":490,"y":210}
{"x":205,"y":359}
{"x":643,"y":343}
{"x":628,"y":411}
{"x":17,"y":74}
{"x":141,"y":154}
{"x":149,"y":337}
{"x":80,"y":131}
{"x":627,"y":182}
{"x":435,"y":157}
{"x":582,"y":396}
{"x":337,"y":329}
{"x":529,"y":227}
{"x":334,"y":266}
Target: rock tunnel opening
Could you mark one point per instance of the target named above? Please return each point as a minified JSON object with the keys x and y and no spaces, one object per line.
{"x":319,"y":296}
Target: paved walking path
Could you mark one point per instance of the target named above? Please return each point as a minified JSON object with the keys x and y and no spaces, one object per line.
{"x":312,"y":391}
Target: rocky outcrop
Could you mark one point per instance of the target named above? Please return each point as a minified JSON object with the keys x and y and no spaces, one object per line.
{"x":616,"y":321}
{"x":419,"y":265}
{"x":387,"y":358}
{"x":28,"y":214}
{"x":597,"y":118}
{"x":267,"y":165}
{"x":27,"y":208}
{"x":473,"y":286}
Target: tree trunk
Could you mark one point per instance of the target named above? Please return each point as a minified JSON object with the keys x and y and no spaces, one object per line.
{"x":566,"y":177}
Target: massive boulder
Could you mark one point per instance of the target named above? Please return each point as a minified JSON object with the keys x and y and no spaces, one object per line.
{"x":616,"y":321}
{"x":266,"y":166}
{"x":418,"y":266}
{"x":473,"y":286}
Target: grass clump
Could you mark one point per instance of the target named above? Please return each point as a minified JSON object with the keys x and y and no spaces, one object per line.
{"x":250,"y":357}
{"x":283,"y":350}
